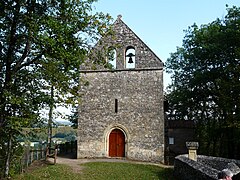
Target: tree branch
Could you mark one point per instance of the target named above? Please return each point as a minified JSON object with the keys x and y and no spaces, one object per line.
{"x":23,"y":57}
{"x":29,"y":62}
{"x":12,"y":43}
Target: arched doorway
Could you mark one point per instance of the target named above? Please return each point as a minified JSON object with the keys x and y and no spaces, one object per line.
{"x":116,"y":143}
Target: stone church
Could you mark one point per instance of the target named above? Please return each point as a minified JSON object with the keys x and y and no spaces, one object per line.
{"x":121,"y":108}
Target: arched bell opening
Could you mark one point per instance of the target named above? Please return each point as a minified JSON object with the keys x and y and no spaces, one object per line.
{"x":130,"y":57}
{"x":112,"y":57}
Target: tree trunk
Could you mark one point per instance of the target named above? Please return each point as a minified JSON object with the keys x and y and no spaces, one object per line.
{"x":8,"y":156}
{"x":50,"y":118}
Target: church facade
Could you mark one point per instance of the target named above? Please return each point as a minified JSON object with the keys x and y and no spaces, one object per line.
{"x":121,"y":109}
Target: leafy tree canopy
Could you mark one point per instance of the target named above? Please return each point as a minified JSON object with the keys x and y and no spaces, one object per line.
{"x":206,"y":83}
{"x":42,"y":44}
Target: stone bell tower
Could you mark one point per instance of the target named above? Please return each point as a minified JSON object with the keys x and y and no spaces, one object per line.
{"x":121,"y":108}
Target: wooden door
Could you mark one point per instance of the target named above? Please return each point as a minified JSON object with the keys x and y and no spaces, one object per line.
{"x":116,"y":143}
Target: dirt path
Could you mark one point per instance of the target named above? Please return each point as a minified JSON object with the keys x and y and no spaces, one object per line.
{"x":73,"y":163}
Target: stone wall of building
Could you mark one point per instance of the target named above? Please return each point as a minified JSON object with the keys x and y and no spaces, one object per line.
{"x":139,"y":113}
{"x":123,"y":98}
{"x":121,"y":38}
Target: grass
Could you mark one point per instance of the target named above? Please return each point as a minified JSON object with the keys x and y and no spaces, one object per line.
{"x":105,"y":170}
{"x":100,"y":171}
{"x":48,"y":172}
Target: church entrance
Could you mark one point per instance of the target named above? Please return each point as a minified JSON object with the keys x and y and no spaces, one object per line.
{"x":116,"y":143}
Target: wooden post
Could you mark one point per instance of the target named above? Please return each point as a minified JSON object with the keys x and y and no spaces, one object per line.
{"x":55,"y":154}
{"x":47,"y":153}
{"x":42,"y":152}
{"x":37,"y":153}
{"x":32,"y":156}
{"x":20,"y":167}
{"x":28,"y":156}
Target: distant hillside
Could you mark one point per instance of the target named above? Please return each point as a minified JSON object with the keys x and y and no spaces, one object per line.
{"x":63,"y":123}
{"x":41,"y":134}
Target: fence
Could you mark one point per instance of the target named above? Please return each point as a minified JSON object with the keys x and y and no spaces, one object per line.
{"x":31,"y":154}
{"x":68,"y":148}
{"x":39,"y":152}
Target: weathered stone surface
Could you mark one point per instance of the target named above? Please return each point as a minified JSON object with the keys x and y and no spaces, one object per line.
{"x":139,"y":96}
{"x":233,"y":167}
{"x":205,"y":168}
{"x":192,"y":145}
{"x":121,"y":38}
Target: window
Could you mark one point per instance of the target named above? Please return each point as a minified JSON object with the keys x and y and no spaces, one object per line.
{"x":170,"y":140}
{"x":116,"y":105}
{"x":130,"y":57}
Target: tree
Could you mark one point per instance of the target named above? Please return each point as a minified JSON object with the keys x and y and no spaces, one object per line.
{"x":206,"y":83}
{"x":73,"y":117}
{"x":42,"y":44}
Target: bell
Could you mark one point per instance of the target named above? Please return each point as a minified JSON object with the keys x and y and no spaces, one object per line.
{"x":130,"y":60}
{"x":130,"y":55}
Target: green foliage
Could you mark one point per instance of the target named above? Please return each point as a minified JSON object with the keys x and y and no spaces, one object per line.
{"x":16,"y":155}
{"x":42,"y":45}
{"x":73,"y":118}
{"x":67,"y":136}
{"x":101,"y":170}
{"x":64,"y":130}
{"x":206,"y":83}
{"x":40,"y":134}
{"x":33,"y":135}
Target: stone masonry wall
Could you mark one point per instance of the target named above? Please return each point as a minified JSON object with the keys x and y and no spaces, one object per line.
{"x":139,"y":115}
{"x":123,"y":37}
{"x":138,"y":93}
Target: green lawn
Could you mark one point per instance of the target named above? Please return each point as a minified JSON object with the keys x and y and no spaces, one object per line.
{"x":99,"y":171}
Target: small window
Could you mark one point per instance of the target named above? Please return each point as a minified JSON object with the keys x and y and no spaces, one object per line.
{"x":116,"y":105}
{"x":130,"y":57}
{"x":111,"y":57}
{"x":171,"y":140}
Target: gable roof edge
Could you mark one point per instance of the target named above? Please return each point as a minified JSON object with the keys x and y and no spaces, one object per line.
{"x":119,"y":19}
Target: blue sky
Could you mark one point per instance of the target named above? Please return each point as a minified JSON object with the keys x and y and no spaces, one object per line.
{"x":160,"y":23}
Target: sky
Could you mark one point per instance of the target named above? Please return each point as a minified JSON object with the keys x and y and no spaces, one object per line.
{"x":161,"y":23}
